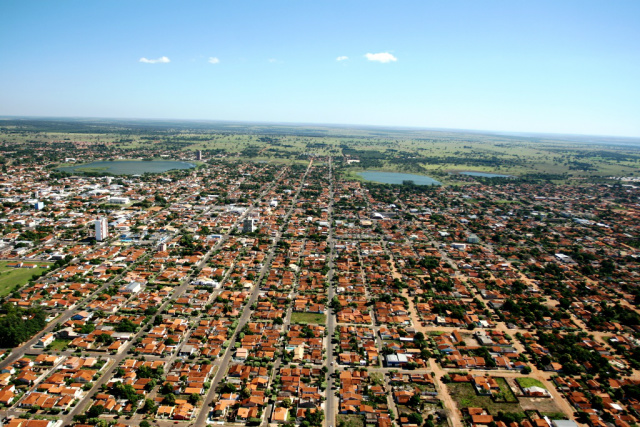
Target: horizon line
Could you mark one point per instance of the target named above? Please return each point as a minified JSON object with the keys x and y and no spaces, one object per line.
{"x":336,"y":125}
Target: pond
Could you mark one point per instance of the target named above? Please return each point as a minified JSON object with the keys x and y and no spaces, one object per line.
{"x":127,"y":167}
{"x":486,"y":175}
{"x":397,"y":178}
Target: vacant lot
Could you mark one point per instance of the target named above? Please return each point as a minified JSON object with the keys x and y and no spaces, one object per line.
{"x":317,"y":318}
{"x":10,"y":276}
{"x":465,"y":396}
{"x":59,"y":345}
{"x":350,"y":421}
{"x":544,"y":405}
{"x":530,"y":382}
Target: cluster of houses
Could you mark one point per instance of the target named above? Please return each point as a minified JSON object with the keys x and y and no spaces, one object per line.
{"x":467,"y":264}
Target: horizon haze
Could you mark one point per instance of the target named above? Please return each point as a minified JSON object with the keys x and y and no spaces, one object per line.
{"x":545,"y":67}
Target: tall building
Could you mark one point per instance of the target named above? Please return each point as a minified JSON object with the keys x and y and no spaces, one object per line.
{"x":101,"y":229}
{"x":249,"y":225}
{"x":199,"y":155}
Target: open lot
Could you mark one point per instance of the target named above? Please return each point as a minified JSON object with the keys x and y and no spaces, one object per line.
{"x":316,"y":318}
{"x":11,"y":276}
{"x":466,"y":397}
{"x":543,"y":405}
{"x":350,"y":420}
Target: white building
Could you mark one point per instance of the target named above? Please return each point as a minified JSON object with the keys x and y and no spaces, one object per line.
{"x":101,"y":229}
{"x":119,"y":200}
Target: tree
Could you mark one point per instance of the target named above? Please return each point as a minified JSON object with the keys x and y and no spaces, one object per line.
{"x":314,"y":418}
{"x":245,"y":393}
{"x":228,"y":388}
{"x":95,"y":411}
{"x":169,"y":399}
{"x":149,"y":407}
{"x":414,"y":401}
{"x":126,"y":326}
{"x":18,"y":325}
{"x":105,"y":338}
{"x":194,"y":398}
{"x":166,"y":388}
{"x":415,"y":418}
{"x":125,"y":391}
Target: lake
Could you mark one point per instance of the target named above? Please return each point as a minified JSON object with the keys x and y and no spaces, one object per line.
{"x":486,"y":175}
{"x":397,"y":178}
{"x":128,"y":167}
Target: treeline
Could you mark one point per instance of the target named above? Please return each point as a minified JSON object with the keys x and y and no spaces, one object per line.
{"x":18,"y":325}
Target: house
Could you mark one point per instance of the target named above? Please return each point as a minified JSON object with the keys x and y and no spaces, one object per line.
{"x":394,"y":360}
{"x":44,"y":341}
{"x":131,"y":288}
{"x":21,"y":422}
{"x":187,"y":350}
{"x":82,"y":315}
{"x":7,"y":394}
{"x":280,"y":415}
{"x":536,"y":391}
{"x":242,"y":354}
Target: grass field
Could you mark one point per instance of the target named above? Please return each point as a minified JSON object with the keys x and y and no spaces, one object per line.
{"x":316,"y":318}
{"x":506,"y":390}
{"x":466,"y":397}
{"x":349,"y":420}
{"x":530,"y":382}
{"x":59,"y":344}
{"x":10,"y":277}
{"x":438,"y":154}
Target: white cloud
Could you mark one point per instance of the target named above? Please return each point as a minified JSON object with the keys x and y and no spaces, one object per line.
{"x":342,"y":58}
{"x":214,"y":60}
{"x":161,"y":60}
{"x":383,"y":57}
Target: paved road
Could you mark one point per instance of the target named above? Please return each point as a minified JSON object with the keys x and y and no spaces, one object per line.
{"x":203,"y":415}
{"x":20,"y":351}
{"x":330,"y":402}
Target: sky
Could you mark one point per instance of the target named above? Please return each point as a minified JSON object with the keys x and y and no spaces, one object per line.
{"x":523,"y":66}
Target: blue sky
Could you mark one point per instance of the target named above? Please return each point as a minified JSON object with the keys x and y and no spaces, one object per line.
{"x":531,"y":66}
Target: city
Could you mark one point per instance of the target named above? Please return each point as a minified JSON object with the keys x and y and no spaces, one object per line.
{"x":238,"y":292}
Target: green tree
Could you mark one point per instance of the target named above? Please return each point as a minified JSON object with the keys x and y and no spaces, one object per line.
{"x":169,"y":399}
{"x":194,"y":398}
{"x":149,"y":407}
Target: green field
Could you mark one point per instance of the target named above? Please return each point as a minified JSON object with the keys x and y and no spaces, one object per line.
{"x":350,"y":420}
{"x":59,"y":344}
{"x":466,"y":397}
{"x":530,"y":382}
{"x":10,"y":277}
{"x":438,"y":154}
{"x":316,"y":318}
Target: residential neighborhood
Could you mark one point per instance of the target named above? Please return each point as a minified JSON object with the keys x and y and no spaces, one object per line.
{"x":253,"y":293}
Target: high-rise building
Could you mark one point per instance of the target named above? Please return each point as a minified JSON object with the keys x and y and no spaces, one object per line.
{"x":101,"y":229}
{"x":199,"y":155}
{"x":249,"y":225}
